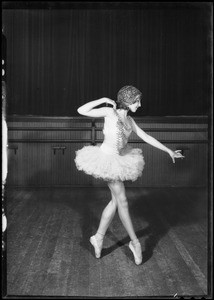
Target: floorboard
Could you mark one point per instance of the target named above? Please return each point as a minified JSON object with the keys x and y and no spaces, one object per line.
{"x":49,"y":254}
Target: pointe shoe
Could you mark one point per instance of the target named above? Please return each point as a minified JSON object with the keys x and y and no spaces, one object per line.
{"x":137,"y":252}
{"x":97,"y":248}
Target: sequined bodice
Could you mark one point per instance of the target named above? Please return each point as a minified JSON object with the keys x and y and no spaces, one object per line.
{"x":116,"y":134}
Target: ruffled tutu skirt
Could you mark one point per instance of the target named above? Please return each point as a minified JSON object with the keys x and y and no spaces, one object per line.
{"x":128,"y":165}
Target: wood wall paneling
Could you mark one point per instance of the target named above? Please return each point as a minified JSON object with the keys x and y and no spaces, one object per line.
{"x":45,"y":152}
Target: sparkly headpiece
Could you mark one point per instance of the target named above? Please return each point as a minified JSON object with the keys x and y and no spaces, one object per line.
{"x":127,"y":95}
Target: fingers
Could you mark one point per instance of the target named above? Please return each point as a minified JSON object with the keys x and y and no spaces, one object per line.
{"x":179,"y":154}
{"x":113,"y":103}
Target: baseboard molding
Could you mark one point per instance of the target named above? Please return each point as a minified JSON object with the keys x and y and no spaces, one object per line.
{"x":98,"y":186}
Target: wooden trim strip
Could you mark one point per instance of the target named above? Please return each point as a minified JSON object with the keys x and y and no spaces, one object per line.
{"x":170,"y":119}
{"x":56,"y":186}
{"x":48,"y":141}
{"x":49,"y":128}
{"x":170,"y":129}
{"x":100,"y":141}
{"x":100,"y":129}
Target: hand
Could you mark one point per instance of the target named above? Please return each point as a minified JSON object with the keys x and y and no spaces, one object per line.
{"x":112,"y":102}
{"x":176,"y":154}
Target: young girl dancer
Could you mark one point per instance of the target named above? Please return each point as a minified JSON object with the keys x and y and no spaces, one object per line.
{"x":115,"y":161}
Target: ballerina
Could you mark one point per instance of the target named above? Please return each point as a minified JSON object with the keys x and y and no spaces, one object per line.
{"x":115,"y":161}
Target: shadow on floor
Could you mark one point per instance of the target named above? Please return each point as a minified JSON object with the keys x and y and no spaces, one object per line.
{"x":145,"y":204}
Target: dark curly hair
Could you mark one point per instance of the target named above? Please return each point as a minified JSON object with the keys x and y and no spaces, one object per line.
{"x":126,"y":96}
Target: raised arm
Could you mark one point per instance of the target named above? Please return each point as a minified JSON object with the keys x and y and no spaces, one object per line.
{"x":89,"y":111}
{"x":152,"y":141}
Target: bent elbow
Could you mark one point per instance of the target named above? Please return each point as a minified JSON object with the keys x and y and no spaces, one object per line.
{"x":79,"y":111}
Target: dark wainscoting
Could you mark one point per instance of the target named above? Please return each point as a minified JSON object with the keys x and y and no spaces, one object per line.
{"x":41,"y":151}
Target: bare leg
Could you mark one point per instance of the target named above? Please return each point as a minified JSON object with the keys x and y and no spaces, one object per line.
{"x":118,"y":190}
{"x":106,"y":218}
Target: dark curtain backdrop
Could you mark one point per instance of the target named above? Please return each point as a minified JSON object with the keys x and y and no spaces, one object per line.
{"x":59,"y":59}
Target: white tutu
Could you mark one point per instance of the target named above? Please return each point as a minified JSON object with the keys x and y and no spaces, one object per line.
{"x":128,"y":165}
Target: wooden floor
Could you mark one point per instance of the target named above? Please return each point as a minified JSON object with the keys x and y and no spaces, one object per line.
{"x":48,"y":249}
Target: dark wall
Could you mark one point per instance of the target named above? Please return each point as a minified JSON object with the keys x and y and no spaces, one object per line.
{"x":58,"y":59}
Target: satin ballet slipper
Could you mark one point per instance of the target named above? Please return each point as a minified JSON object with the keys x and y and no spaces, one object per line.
{"x":137,"y":256}
{"x":97,"y":248}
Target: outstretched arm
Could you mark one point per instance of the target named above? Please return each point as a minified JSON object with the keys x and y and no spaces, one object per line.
{"x":89,"y":111}
{"x":152,"y":141}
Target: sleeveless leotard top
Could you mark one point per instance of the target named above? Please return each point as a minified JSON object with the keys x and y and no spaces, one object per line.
{"x":116,"y":134}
